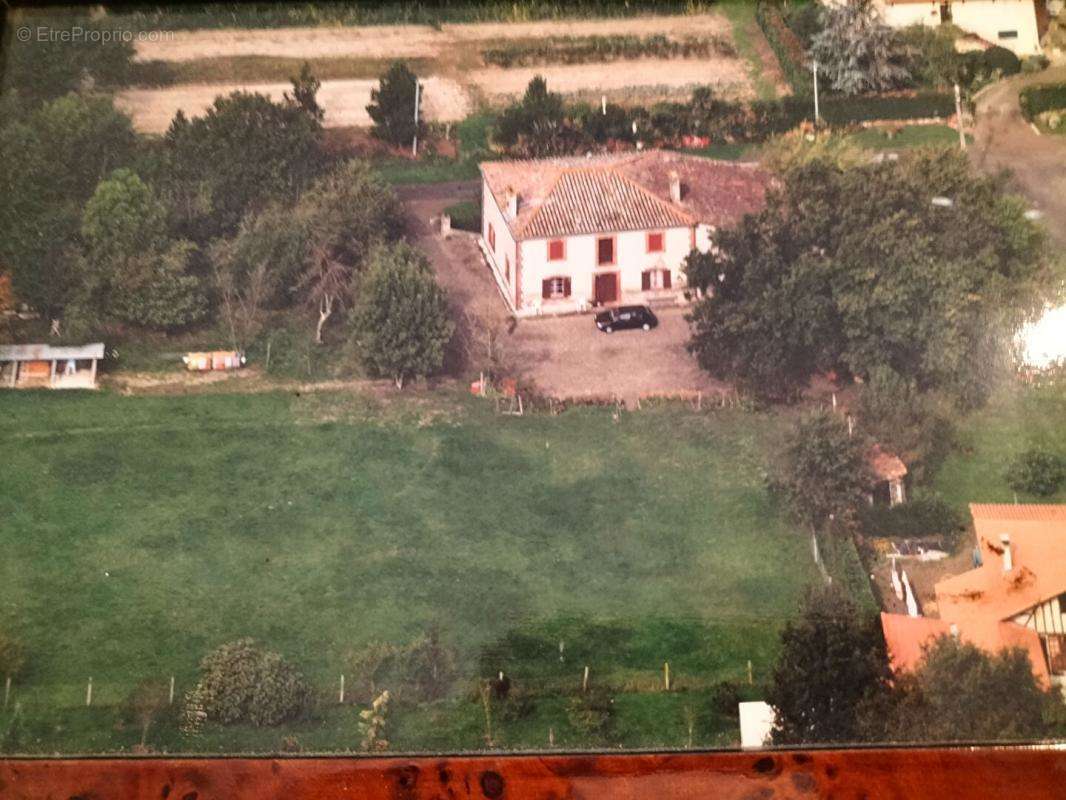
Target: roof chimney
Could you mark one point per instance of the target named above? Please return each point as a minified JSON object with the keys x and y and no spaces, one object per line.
{"x":1008,"y":560}
{"x":512,"y":204}
{"x":675,"y":186}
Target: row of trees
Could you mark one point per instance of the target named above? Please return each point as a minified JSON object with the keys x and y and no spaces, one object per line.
{"x":231,"y":217}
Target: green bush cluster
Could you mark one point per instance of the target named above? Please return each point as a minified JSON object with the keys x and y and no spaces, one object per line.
{"x":241,"y":682}
{"x":583,"y":49}
{"x":921,"y":518}
{"x":1035,"y":100}
{"x":1037,"y":471}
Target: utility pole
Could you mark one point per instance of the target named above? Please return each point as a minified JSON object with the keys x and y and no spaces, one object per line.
{"x":958,"y":117}
{"x":418,"y":96}
{"x":817,"y":115}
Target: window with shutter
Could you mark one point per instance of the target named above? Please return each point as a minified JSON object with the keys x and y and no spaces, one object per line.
{"x":555,"y":288}
{"x":655,"y":242}
{"x":556,"y":250}
{"x":666,"y":279}
{"x":605,"y":250}
{"x":645,"y":280}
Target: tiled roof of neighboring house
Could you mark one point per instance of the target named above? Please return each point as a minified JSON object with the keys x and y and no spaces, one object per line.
{"x":623,"y":191}
{"x":885,"y":466}
{"x":982,"y":602}
{"x":907,"y":637}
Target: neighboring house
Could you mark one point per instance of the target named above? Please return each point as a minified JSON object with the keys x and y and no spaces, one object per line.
{"x":1015,"y":598}
{"x":567,"y":234}
{"x":1014,"y":24}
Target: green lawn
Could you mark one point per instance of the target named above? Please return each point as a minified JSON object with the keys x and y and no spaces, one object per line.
{"x":1017,"y":418}
{"x":139,"y":532}
{"x":907,"y":136}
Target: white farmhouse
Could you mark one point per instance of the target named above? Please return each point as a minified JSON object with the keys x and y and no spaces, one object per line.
{"x":1014,"y":24}
{"x":566,"y":234}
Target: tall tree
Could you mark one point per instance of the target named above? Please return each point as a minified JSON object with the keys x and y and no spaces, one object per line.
{"x":832,"y":664}
{"x":392,"y":106}
{"x":245,"y":153}
{"x":854,"y":268}
{"x":401,"y":323}
{"x":305,"y":88}
{"x":824,"y":469}
{"x":137,"y":272}
{"x":857,"y":50}
{"x":537,"y":125}
{"x":345,"y":215}
{"x":50,"y":163}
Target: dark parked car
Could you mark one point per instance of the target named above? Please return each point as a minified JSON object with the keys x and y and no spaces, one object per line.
{"x":617,"y":319}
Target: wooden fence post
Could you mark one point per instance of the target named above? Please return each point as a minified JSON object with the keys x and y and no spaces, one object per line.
{"x":171,"y":701}
{"x":89,"y":693}
{"x":341,"y":698}
{"x":666,"y":675}
{"x":585,"y":680}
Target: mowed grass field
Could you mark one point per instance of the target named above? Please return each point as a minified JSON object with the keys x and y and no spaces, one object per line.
{"x":140,"y":532}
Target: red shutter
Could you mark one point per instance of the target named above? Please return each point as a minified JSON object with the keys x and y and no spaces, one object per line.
{"x":645,"y":280}
{"x":546,"y":288}
{"x":555,"y":250}
{"x":566,"y":287}
{"x":666,"y":279}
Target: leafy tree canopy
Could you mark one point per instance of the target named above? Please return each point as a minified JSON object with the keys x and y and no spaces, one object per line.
{"x":244,"y":153}
{"x":855,"y":269}
{"x":832,"y":663}
{"x":857,"y":51}
{"x":401,"y":324}
{"x":537,"y":125}
{"x":392,"y":106}
{"x":962,"y":693}
{"x":824,"y":470}
{"x":50,"y":163}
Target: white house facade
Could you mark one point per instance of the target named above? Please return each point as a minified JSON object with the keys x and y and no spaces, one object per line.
{"x":1013,"y":24}
{"x":571,"y":234}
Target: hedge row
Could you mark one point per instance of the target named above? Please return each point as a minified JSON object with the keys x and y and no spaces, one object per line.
{"x":919,"y":519}
{"x":790,"y":52}
{"x":584,"y":49}
{"x":1035,"y":100}
{"x":850,"y":110}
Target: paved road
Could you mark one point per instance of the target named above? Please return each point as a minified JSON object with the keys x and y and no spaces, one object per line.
{"x":1003,"y":139}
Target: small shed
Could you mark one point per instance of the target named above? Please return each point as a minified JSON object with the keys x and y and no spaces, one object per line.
{"x":42,"y":366}
{"x":889,"y":472}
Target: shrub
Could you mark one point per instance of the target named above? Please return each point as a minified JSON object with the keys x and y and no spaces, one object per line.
{"x":725,"y":699}
{"x":392,"y":106}
{"x":1037,"y":471}
{"x":582,"y":49}
{"x":1001,"y":59}
{"x":240,"y":682}
{"x":1035,"y":100}
{"x":592,"y":712}
{"x":466,"y":216}
{"x":921,"y":518}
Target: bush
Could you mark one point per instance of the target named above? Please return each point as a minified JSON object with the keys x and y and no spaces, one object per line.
{"x":918,"y":519}
{"x":1037,"y":471}
{"x":582,"y":49}
{"x":1035,"y":100}
{"x":466,"y":216}
{"x":725,"y":699}
{"x":241,"y":682}
{"x":591,"y":713}
{"x":1001,"y":59}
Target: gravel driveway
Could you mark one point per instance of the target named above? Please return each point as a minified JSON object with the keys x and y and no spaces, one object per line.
{"x":562,"y":356}
{"x":1003,"y":139}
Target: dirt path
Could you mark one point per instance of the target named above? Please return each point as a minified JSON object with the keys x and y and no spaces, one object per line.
{"x":1003,"y":139}
{"x":456,"y":75}
{"x":399,"y":41}
{"x":344,"y":101}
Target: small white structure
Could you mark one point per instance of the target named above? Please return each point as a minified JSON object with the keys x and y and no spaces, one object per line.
{"x":1013,"y":24}
{"x":1042,"y":344}
{"x":563,"y":235}
{"x":41,"y":366}
{"x":756,"y":723}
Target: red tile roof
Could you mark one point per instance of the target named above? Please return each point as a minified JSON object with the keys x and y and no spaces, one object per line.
{"x":624,"y":191}
{"x":983,"y":602}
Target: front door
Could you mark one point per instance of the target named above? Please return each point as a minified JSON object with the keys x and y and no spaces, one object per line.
{"x":605,"y":288}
